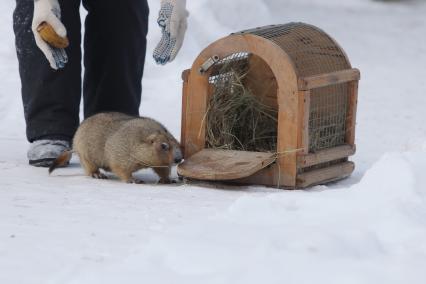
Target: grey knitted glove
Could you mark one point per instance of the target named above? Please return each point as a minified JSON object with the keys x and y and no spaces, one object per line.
{"x":172,"y":19}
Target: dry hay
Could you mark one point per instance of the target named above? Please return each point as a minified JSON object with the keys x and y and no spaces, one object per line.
{"x":236,"y":119}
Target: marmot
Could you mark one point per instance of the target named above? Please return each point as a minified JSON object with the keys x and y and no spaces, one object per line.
{"x":123,"y":144}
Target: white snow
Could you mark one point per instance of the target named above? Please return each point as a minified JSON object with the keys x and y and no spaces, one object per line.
{"x":369,"y":228}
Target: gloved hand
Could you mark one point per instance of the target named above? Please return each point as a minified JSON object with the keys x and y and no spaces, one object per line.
{"x":173,"y":21}
{"x":49,"y":11}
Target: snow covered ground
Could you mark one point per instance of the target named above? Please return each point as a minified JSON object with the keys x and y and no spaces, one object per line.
{"x":370,"y":228}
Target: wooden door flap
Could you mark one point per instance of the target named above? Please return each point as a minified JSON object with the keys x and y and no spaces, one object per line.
{"x":215,"y":165}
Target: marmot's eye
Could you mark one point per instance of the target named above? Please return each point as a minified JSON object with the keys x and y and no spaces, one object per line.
{"x":165,"y":146}
{"x":152,"y":141}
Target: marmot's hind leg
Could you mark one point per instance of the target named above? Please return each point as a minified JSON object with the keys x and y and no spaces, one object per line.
{"x":91,"y":169}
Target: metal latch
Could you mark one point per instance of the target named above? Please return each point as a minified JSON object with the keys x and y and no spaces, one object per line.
{"x":209,"y":63}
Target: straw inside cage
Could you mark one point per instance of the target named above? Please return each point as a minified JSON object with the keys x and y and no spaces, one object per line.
{"x":240,"y":115}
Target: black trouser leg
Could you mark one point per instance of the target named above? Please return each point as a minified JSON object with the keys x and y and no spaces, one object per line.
{"x":51,"y":98}
{"x":115,"y":46}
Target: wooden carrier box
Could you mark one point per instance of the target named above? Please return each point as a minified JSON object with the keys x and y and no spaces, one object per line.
{"x":306,"y":76}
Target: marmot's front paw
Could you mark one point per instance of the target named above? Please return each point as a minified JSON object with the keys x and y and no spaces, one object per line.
{"x":166,"y":181}
{"x":99,"y":176}
{"x":135,"y":181}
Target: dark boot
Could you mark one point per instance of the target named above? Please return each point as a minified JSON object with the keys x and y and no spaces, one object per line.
{"x":42,"y":153}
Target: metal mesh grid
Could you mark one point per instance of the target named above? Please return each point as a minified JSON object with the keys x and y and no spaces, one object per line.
{"x":236,"y":61}
{"x":327,"y":117}
{"x":312,"y":51}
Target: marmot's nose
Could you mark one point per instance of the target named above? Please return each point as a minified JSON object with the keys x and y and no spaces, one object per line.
{"x":178,"y":157}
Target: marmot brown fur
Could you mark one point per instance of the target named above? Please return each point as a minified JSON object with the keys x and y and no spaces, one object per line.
{"x":123,"y":144}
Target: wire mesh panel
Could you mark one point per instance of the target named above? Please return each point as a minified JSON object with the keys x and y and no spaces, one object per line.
{"x":312,"y":51}
{"x":222,"y":72}
{"x":327,"y":117}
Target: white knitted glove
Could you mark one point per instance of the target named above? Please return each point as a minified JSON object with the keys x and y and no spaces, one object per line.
{"x":173,"y":21}
{"x":49,"y":11}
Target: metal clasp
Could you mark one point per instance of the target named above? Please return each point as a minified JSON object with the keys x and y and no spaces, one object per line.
{"x":208,"y":64}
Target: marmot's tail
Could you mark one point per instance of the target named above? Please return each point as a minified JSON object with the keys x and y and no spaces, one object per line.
{"x":61,"y":161}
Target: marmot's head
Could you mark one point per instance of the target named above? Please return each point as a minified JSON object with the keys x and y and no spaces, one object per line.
{"x":177,"y":151}
{"x":156,"y":150}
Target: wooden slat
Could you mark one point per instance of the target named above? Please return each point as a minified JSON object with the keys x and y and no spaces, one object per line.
{"x":196,"y":106}
{"x":185,"y":76}
{"x":215,"y":165}
{"x":351,"y":117}
{"x":328,"y":79}
{"x":287,"y":142}
{"x":328,"y":174}
{"x":327,"y":155}
{"x":303,"y":133}
{"x":269,"y":176}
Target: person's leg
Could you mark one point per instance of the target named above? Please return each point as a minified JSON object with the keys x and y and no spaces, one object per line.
{"x":115,"y":46}
{"x":51,"y":98}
